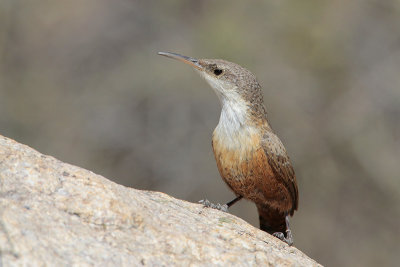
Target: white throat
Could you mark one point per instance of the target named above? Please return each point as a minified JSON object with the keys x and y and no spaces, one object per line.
{"x":233,"y":129}
{"x":234,"y":108}
{"x":233,"y":123}
{"x":234,"y":115}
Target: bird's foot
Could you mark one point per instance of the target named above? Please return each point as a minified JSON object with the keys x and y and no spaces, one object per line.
{"x":217,"y":206}
{"x":288,"y":239}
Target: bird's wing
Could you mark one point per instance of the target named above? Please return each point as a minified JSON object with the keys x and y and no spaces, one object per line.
{"x":281,"y":165}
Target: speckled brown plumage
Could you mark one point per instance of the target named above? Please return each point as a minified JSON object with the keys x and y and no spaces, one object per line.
{"x":261,"y":172}
{"x":250,"y":157}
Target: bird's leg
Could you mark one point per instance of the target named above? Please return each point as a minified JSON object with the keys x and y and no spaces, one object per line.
{"x":230,"y":203}
{"x":289,"y":238}
{"x":218,"y":206}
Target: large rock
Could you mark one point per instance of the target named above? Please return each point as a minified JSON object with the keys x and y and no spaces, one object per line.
{"x":53,"y":213}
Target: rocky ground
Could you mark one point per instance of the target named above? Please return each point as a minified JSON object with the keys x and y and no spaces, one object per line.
{"x":56,"y":214}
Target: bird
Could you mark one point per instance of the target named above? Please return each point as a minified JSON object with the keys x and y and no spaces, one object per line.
{"x":250,"y":157}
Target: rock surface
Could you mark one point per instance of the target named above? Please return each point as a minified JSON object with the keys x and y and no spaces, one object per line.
{"x":53,"y":213}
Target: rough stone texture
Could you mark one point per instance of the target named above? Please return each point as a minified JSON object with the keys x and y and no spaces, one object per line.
{"x":53,"y":213}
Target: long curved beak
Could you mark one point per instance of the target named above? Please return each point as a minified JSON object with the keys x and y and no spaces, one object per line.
{"x":188,"y":60}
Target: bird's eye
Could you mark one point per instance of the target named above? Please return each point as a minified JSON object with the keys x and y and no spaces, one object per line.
{"x":217,"y":72}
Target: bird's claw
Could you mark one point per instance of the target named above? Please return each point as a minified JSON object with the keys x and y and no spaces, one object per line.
{"x":217,"y":206}
{"x":288,"y":240}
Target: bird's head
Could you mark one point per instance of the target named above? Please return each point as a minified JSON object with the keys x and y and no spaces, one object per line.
{"x":236,"y":87}
{"x":230,"y":81}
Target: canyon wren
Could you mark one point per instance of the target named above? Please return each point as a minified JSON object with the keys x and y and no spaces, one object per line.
{"x":251,"y":159}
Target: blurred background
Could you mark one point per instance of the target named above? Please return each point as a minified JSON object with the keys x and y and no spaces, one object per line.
{"x":81,"y":81}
